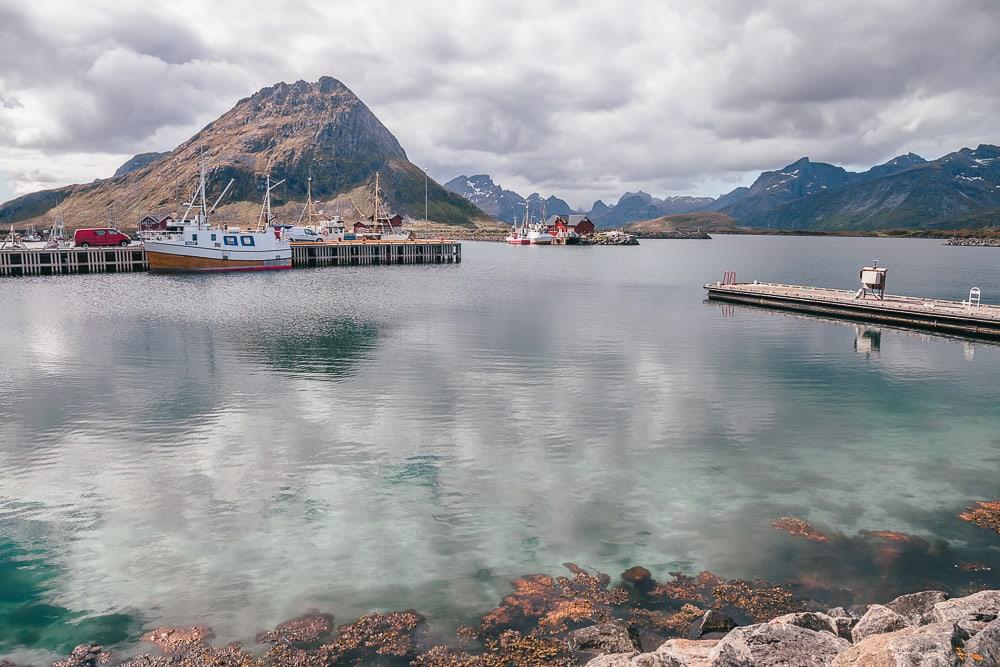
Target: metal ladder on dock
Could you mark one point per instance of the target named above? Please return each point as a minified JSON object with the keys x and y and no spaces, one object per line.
{"x":975,"y":295}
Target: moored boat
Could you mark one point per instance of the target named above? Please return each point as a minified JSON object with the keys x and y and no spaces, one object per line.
{"x":194,"y":244}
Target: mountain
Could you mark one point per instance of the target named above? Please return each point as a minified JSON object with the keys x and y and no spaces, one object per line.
{"x":636,"y":206}
{"x":959,"y":190}
{"x":505,"y":205}
{"x":287,"y":130}
{"x":543,"y":208}
{"x":138,"y":162}
{"x":488,"y":196}
{"x":774,"y":188}
{"x":893,"y":166}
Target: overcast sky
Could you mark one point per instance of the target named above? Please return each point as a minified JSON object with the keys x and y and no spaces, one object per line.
{"x":579,"y":99}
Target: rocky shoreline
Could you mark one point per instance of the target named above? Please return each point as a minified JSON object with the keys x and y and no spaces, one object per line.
{"x":586,"y":617}
{"x":971,"y":241}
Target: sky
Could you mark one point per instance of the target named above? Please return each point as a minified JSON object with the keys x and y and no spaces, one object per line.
{"x":583,"y":100}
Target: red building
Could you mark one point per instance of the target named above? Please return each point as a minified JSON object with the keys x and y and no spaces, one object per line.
{"x":580,"y":224}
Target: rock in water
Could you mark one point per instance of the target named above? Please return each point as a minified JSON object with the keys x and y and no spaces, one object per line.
{"x":610,"y":637}
{"x":779,"y":644}
{"x":878,"y":620}
{"x":712,"y":621}
{"x":85,"y":655}
{"x":925,"y":646}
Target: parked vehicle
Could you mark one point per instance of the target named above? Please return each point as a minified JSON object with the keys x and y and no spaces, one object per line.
{"x":98,"y":236}
{"x":297,"y":233}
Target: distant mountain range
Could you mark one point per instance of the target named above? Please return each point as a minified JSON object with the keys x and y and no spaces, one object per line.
{"x":507,"y":205}
{"x":959,"y":190}
{"x":291,"y":131}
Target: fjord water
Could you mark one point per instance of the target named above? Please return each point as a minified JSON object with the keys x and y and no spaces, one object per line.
{"x":234,"y":450}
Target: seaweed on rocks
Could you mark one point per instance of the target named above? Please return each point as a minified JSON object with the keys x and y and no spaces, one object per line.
{"x":375,"y":634}
{"x":551,"y":605}
{"x":984,"y":513}
{"x":176,"y":640}
{"x":303,"y":630}
{"x":800,"y":528}
{"x":758,"y":599}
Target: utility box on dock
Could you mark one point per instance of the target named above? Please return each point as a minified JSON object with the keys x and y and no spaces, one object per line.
{"x":873,"y":278}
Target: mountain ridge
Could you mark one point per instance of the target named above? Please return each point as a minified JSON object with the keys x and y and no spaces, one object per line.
{"x":291,"y":131}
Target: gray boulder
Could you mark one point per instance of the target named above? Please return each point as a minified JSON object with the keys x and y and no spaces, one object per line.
{"x":687,"y":652}
{"x":983,"y":650}
{"x":610,"y":637}
{"x":927,"y":645}
{"x":972,"y":612}
{"x":771,"y":645}
{"x":917,"y":608}
{"x":810,"y":620}
{"x":876,"y":621}
{"x":712,"y":621}
{"x":614,"y":660}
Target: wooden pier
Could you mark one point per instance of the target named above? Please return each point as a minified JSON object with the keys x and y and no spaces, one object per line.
{"x":931,"y":314}
{"x":60,"y":261}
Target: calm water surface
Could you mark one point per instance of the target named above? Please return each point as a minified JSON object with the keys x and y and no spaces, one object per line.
{"x":234,"y":450}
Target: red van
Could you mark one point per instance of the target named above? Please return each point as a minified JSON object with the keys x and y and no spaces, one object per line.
{"x":84,"y":238}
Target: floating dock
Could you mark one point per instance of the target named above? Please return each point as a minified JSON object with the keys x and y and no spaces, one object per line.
{"x":128,"y":259}
{"x":931,"y":314}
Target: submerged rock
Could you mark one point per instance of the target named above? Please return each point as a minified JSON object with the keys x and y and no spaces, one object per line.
{"x":800,"y":528}
{"x":84,"y":655}
{"x":305,"y":629}
{"x":985,"y":514}
{"x":777,"y":644}
{"x":931,"y":645}
{"x":174,"y":640}
{"x":917,"y":608}
{"x":878,"y":620}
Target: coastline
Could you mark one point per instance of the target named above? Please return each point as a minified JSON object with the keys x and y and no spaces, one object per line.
{"x":910,"y":590}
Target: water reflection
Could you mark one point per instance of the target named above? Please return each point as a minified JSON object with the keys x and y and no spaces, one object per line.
{"x":416,"y":438}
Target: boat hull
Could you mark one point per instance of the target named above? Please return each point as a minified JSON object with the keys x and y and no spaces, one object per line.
{"x":175,"y":258}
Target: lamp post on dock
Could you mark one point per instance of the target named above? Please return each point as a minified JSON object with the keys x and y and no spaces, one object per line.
{"x":425,"y":196}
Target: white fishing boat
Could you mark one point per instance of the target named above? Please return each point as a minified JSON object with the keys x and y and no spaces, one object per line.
{"x":194,"y":244}
{"x":539,"y":235}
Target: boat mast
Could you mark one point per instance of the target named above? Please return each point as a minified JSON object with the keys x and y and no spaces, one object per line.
{"x":264,"y":221}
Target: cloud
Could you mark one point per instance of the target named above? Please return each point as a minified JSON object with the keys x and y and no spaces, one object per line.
{"x":583,"y":100}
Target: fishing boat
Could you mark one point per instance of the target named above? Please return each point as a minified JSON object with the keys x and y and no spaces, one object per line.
{"x":539,"y":235}
{"x":329,"y":228}
{"x":518,"y":236}
{"x":378,"y":226}
{"x":194,"y":244}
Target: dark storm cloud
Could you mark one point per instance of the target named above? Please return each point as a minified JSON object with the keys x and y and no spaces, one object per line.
{"x":584,"y":100}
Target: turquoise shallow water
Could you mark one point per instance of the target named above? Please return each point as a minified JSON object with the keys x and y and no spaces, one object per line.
{"x":235,"y":450}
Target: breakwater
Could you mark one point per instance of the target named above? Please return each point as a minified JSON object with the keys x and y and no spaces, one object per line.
{"x":128,"y":259}
{"x":982,"y":242}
